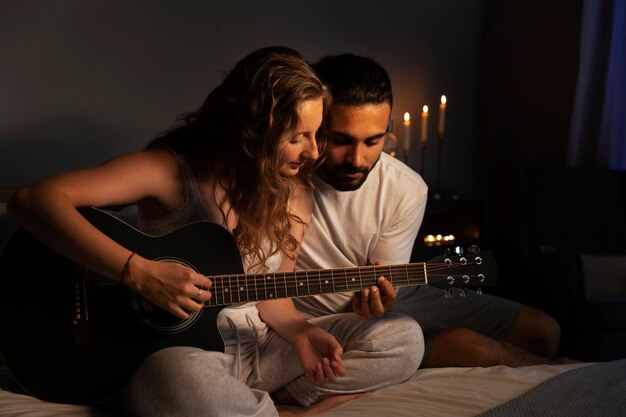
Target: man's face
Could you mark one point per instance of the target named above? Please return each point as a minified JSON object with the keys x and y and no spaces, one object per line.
{"x":355,"y":140}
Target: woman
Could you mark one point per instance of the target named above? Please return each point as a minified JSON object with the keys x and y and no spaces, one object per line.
{"x":243,"y":161}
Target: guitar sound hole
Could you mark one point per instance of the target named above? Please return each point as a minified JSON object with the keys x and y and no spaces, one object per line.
{"x":157,"y":319}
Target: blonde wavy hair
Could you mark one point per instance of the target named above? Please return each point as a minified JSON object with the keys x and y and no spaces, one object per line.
{"x":236,"y":133}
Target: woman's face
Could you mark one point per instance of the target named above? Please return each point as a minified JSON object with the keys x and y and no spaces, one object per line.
{"x":300,"y":145}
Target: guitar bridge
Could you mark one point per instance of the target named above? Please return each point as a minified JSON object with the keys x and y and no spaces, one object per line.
{"x":81,"y":327}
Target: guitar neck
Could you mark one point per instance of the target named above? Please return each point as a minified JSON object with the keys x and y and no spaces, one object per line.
{"x":230,"y":289}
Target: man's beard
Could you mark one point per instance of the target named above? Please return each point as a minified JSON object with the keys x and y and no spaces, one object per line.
{"x":336,"y":176}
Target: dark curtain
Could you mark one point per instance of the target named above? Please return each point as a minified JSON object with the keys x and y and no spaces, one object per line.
{"x":598,"y":131}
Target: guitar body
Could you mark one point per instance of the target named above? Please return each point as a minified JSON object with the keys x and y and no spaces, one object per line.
{"x":69,"y":335}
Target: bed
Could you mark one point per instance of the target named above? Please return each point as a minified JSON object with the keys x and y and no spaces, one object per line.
{"x":583,"y":389}
{"x":443,"y":392}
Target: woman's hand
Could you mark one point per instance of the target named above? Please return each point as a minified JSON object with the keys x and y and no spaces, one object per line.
{"x":318,"y":351}
{"x":320,"y":355}
{"x":169,"y":285}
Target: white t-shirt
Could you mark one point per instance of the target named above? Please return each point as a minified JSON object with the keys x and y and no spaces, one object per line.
{"x":376,"y":223}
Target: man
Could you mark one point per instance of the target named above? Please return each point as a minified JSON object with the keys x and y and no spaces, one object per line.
{"x":368,"y":209}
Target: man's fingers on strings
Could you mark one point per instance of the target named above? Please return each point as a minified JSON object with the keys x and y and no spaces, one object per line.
{"x":357,"y":304}
{"x":365,"y":303}
{"x":375,"y":302}
{"x":386,"y":287}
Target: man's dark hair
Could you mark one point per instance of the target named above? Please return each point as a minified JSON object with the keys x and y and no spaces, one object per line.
{"x":355,"y":80}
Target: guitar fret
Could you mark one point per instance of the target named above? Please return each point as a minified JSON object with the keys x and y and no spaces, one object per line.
{"x":297,"y":283}
{"x":351,"y":284}
{"x":406,"y":273}
{"x":249,"y":288}
{"x":225,"y":289}
{"x":215,"y":291}
{"x":285,"y":282}
{"x":240,"y":289}
{"x":214,"y":294}
{"x":371,"y":279}
{"x":390,"y":276}
{"x":318,"y":283}
{"x":270,"y":295}
{"x":218,"y":285}
{"x":230,"y":289}
{"x":308,"y":287}
{"x":264,"y":287}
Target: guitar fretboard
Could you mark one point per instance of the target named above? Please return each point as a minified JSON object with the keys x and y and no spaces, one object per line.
{"x":231,"y":289}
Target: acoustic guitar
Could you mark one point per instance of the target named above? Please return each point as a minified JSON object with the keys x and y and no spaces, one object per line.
{"x":70,"y":335}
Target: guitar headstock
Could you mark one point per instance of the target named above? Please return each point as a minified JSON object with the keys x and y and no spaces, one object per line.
{"x":475,"y":269}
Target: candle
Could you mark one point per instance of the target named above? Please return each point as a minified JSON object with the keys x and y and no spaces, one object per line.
{"x":442,"y":115}
{"x":407,"y":132}
{"x":424,"y":125}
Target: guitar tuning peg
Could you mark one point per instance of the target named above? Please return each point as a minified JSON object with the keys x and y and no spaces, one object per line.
{"x":479,"y":291}
{"x":448,"y":293}
{"x":463,"y":292}
{"x":458,"y":250}
{"x":474,"y":250}
{"x":446,"y":251}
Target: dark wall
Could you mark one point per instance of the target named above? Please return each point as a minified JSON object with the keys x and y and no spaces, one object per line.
{"x":84,"y":81}
{"x":528,"y":74}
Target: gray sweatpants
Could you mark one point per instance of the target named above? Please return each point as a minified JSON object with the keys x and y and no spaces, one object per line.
{"x":186,"y":381}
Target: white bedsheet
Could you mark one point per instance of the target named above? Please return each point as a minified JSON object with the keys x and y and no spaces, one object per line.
{"x":443,"y":392}
{"x":450,"y":392}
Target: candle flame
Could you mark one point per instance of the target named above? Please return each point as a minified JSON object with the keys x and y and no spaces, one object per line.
{"x":443,"y":99}
{"x":407,"y":117}
{"x":438,"y":240}
{"x":425,"y":109}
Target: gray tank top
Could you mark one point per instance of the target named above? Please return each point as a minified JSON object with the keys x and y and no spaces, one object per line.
{"x":192,"y":210}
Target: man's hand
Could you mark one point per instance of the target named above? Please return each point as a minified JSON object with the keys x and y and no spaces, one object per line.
{"x":320,"y":355}
{"x":376,"y":300}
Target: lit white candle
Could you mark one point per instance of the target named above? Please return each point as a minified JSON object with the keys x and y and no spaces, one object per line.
{"x":442,"y":114}
{"x":407,"y":132}
{"x":424,"y":125}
